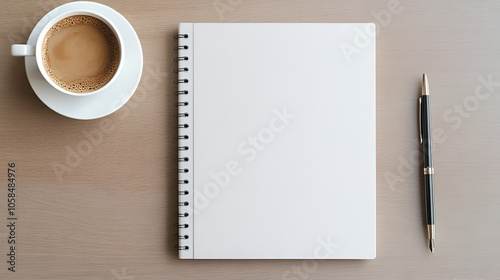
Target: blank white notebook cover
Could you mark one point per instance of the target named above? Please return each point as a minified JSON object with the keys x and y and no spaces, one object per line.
{"x":276,"y":141}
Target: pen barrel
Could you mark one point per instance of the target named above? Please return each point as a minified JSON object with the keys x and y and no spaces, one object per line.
{"x":428,"y":169}
{"x":426,"y":131}
{"x":429,"y":198}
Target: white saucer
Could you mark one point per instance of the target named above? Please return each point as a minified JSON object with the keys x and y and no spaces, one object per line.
{"x":100,"y":104}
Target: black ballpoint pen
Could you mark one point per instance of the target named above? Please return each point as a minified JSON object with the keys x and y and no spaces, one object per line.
{"x":425,"y":140}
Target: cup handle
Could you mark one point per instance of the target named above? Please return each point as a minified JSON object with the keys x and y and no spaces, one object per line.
{"x":22,"y":50}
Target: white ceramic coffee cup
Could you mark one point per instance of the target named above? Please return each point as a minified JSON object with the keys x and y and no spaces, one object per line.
{"x":36,"y":50}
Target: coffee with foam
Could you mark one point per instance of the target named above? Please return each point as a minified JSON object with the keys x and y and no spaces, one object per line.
{"x":80,"y":53}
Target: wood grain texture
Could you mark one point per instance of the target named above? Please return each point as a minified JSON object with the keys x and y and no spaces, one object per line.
{"x":110,"y":215}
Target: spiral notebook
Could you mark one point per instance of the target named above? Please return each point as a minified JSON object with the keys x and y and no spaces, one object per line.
{"x":276,"y":140}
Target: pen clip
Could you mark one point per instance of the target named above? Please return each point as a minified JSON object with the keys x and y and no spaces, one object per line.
{"x":420,"y":118}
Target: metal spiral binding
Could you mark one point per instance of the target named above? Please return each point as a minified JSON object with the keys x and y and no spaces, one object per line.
{"x":180,"y":36}
{"x":181,"y":81}
{"x":182,"y":214}
{"x":182,"y":236}
{"x":182,"y":127}
{"x":182,"y":247}
{"x":179,"y":104}
{"x":180,"y":48}
{"x":183,"y":69}
{"x":180,"y":58}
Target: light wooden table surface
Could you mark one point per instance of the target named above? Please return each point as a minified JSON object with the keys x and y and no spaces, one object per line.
{"x":110,"y":215}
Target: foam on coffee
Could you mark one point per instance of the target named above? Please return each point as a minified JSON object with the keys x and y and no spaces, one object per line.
{"x":80,"y":53}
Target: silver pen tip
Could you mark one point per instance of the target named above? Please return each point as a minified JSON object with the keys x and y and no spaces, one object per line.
{"x":431,"y":245}
{"x":425,"y":85}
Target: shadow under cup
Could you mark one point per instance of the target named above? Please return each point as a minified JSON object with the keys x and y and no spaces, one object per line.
{"x":81,"y":54}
